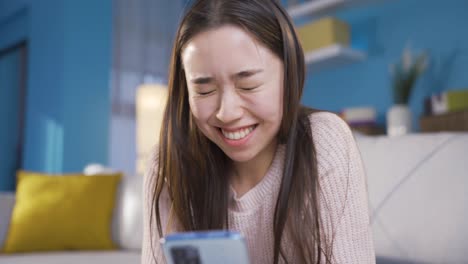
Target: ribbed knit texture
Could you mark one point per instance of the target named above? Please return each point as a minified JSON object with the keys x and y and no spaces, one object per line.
{"x":343,"y":200}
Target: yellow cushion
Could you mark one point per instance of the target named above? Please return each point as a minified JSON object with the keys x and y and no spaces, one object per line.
{"x":62,"y":212}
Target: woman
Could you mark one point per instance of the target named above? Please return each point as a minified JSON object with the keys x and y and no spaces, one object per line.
{"x":239,"y":152}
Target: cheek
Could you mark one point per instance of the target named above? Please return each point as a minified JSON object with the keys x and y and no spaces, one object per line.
{"x":202,"y":108}
{"x":268,"y":105}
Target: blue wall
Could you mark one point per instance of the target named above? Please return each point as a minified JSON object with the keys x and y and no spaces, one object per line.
{"x":68,"y":96}
{"x":9,"y":118}
{"x":68,"y":90}
{"x":383,"y":31}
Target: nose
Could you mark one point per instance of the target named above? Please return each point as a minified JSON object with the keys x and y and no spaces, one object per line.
{"x":230,"y":107}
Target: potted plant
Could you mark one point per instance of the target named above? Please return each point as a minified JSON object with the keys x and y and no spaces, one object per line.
{"x":405,"y":73}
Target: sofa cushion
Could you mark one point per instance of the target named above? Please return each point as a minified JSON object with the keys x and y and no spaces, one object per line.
{"x":62,"y":213}
{"x":127,"y":225}
{"x":74,"y":257}
{"x":129,"y":214}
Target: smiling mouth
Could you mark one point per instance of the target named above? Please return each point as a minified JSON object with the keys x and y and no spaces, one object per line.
{"x":238,"y":134}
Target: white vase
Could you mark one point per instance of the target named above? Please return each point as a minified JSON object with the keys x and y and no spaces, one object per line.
{"x":399,"y":120}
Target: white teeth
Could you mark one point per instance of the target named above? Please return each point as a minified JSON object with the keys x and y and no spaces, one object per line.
{"x":238,"y":134}
{"x":242,"y":133}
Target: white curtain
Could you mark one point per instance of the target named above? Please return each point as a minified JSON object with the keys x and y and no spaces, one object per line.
{"x":143,"y":33}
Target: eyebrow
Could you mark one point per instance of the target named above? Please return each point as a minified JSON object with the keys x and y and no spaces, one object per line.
{"x":239,"y":75}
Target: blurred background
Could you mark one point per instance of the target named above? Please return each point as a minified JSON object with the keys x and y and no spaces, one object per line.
{"x":70,"y":70}
{"x":79,"y":79}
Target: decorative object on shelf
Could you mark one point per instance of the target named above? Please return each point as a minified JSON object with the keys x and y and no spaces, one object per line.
{"x":326,"y":44}
{"x":447,"y":111}
{"x":451,"y":121}
{"x":362,"y":119}
{"x":405,"y":73}
{"x":151,"y":101}
{"x":448,"y":102}
{"x":399,"y":120}
{"x":356,"y":116}
{"x":323,"y":33}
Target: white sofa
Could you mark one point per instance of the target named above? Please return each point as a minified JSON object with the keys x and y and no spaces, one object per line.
{"x":417,"y":194}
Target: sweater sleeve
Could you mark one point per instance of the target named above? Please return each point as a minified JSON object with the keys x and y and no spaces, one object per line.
{"x":343,"y":197}
{"x":152,"y":252}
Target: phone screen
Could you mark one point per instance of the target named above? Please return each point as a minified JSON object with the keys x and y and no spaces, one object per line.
{"x":185,"y":255}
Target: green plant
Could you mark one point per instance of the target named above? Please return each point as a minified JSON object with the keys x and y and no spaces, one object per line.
{"x":405,"y":73}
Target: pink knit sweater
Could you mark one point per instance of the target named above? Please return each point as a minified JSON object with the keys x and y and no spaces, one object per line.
{"x":339,"y":167}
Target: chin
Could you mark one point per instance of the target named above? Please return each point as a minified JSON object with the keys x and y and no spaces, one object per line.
{"x":240,"y":156}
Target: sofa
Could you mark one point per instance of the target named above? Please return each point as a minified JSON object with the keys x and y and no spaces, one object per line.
{"x":127,"y":231}
{"x":417,"y":196}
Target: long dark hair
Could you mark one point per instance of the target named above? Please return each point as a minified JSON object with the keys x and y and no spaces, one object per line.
{"x":193,"y":168}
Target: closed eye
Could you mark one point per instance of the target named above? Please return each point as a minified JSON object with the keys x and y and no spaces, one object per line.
{"x":249,"y":88}
{"x":205,"y":93}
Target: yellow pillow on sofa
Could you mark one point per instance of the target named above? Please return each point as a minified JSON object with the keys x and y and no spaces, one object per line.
{"x":62,"y":212}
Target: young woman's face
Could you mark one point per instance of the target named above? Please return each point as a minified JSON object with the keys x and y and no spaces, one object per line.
{"x":235,"y":87}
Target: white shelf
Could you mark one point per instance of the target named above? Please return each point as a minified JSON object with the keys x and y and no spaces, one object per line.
{"x":317,"y":6}
{"x":332,"y":56}
{"x":326,"y":7}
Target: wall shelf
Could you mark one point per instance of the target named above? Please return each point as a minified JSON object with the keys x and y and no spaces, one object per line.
{"x":333,"y":56}
{"x":314,"y":7}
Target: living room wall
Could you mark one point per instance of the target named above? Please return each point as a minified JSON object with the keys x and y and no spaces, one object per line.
{"x":68,"y":85}
{"x":383,"y":30}
{"x":68,"y":96}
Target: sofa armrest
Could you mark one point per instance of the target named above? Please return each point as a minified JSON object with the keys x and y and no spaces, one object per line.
{"x":7,"y":202}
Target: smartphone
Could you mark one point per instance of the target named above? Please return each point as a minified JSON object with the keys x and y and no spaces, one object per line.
{"x":211,"y":247}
